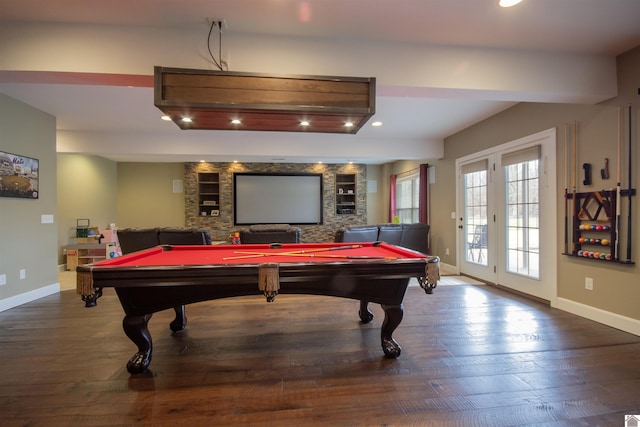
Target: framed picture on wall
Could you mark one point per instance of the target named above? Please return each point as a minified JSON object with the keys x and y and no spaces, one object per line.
{"x":19,"y":176}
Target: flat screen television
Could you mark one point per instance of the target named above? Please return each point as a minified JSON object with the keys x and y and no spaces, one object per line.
{"x":277,"y":198}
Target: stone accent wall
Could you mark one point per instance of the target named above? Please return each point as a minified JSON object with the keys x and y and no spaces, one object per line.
{"x":222,"y":227}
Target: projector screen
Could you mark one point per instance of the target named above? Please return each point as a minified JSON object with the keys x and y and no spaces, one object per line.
{"x":277,"y":198}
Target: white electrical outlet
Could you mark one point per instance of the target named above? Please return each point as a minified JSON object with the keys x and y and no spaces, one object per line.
{"x":23,"y":274}
{"x":446,"y":251}
{"x":215,"y":20}
{"x":3,"y":279}
{"x":588,"y":283}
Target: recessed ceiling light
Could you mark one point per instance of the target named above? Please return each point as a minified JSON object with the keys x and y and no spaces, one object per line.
{"x":236,"y":121}
{"x":508,"y":3}
{"x":187,"y":119}
{"x":348,"y":124}
{"x":376,"y":124}
{"x":166,"y":118}
{"x":304,"y":123}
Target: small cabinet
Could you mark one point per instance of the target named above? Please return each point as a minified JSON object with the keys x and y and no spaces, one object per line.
{"x":208,"y":193}
{"x":345,"y":194}
{"x":88,"y":253}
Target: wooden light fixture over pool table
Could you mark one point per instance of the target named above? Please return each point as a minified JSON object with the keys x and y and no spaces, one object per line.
{"x":225,"y":100}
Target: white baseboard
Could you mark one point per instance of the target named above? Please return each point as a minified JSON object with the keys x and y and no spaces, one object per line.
{"x":617,"y":321}
{"x":448,"y":269}
{"x":26,"y":297}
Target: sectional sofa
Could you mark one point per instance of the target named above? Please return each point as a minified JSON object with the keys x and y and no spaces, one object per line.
{"x":413,"y":236}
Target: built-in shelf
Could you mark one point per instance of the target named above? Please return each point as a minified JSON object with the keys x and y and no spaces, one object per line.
{"x":345,"y":194}
{"x":208,"y":193}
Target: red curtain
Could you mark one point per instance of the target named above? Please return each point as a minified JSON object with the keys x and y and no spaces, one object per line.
{"x":423,"y":202}
{"x":392,"y":196}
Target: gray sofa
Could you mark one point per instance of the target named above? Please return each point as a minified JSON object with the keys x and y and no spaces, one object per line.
{"x":270,"y":233}
{"x":137,"y":239}
{"x":411,"y":236}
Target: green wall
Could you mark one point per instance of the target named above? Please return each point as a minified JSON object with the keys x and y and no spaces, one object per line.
{"x":145,"y":196}
{"x":25,"y":242}
{"x":86,"y":190}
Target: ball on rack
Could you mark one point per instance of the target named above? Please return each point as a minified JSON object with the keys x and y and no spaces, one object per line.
{"x":608,"y":256}
{"x":598,"y":228}
{"x":604,"y":242}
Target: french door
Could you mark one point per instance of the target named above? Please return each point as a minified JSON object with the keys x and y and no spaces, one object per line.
{"x":507,"y":215}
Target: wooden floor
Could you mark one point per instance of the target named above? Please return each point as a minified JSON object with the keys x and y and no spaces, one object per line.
{"x":472,"y":355}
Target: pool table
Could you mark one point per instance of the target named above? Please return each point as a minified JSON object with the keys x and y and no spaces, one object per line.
{"x":168,"y":276}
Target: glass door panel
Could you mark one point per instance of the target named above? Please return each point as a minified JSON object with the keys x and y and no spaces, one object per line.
{"x":475,"y":246}
{"x":507,"y":231}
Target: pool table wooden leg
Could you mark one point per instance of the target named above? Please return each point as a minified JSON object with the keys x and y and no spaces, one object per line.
{"x":136,"y":329}
{"x":365,"y":314}
{"x":428,"y":287}
{"x":91,"y":300}
{"x":392,"y":318}
{"x":180,"y":322}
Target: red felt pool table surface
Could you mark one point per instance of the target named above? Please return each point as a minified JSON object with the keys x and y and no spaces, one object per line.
{"x":261,"y":253}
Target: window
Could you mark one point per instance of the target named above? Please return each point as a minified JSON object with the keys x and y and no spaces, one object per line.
{"x":407,"y":198}
{"x":522,"y":211}
{"x":476,"y":210}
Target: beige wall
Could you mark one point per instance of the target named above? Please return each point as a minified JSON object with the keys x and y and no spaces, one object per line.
{"x":26,"y":243}
{"x":86,"y":190}
{"x":615,"y":286}
{"x":146,"y":197}
{"x":376,"y":212}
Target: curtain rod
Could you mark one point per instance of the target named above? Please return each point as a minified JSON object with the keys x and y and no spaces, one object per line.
{"x":410,"y":171}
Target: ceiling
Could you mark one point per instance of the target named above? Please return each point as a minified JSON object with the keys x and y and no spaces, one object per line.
{"x":588,"y":28}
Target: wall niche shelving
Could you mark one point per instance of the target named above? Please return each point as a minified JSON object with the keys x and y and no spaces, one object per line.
{"x":345,"y":193}
{"x":209,"y":193}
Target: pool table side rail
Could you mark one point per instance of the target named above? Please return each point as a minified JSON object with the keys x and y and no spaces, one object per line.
{"x":242,"y":279}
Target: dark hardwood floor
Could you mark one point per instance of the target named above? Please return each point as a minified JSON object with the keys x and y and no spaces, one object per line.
{"x":472,"y":356}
